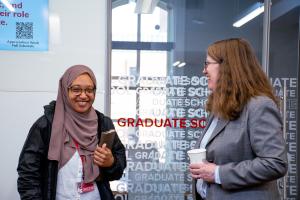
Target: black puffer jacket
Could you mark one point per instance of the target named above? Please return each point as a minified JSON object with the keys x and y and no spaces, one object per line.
{"x":38,"y":175}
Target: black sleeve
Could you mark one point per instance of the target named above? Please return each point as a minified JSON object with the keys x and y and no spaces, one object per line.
{"x":30,"y":162}
{"x":114,"y":172}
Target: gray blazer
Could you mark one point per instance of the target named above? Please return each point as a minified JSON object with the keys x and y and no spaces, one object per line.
{"x":250,"y":151}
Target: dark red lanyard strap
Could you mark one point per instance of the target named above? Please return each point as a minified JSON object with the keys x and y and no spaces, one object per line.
{"x":81,"y":157}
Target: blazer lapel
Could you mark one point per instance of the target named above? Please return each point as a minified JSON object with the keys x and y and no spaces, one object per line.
{"x":220,"y":126}
{"x":209,"y":120}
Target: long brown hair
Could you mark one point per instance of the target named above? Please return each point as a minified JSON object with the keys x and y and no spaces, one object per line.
{"x":240,"y":78}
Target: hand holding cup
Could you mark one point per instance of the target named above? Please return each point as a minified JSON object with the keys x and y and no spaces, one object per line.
{"x":197,"y":155}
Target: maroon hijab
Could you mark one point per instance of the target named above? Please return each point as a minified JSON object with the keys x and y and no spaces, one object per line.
{"x":70,"y":126}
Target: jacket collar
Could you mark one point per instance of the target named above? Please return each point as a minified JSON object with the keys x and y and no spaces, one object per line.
{"x":220,"y":126}
{"x":49,"y":111}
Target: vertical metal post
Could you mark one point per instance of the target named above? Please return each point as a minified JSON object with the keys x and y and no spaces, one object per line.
{"x":282,"y":183}
{"x":138,"y":68}
{"x":107,"y":77}
{"x":266,"y":36}
{"x":284,"y":134}
{"x":265,"y":65}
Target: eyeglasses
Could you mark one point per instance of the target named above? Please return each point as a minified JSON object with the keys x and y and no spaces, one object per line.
{"x":206,"y":63}
{"x":76,"y":90}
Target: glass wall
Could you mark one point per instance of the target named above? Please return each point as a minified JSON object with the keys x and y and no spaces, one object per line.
{"x":284,"y":74}
{"x":159,"y":91}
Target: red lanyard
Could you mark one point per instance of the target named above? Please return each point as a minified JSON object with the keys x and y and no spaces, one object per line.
{"x":81,"y":157}
{"x":82,"y":186}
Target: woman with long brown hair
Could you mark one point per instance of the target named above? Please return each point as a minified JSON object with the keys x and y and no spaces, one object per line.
{"x":243,"y":137}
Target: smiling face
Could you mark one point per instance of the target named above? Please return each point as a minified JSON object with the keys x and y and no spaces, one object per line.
{"x":82,"y":93}
{"x":211,"y":71}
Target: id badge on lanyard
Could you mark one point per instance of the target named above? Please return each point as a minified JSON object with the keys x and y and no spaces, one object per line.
{"x":81,"y":186}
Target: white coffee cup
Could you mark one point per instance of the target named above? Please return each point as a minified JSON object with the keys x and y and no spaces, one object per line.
{"x":197,"y":155}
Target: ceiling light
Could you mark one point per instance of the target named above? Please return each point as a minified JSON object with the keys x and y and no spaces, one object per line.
{"x":181,"y":64}
{"x":249,"y":14}
{"x":176,"y":63}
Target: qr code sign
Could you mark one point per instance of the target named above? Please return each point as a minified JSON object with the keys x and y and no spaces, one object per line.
{"x":24,"y":30}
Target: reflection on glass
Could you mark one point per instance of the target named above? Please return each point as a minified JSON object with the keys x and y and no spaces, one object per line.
{"x":150,"y":84}
{"x":153,"y":63}
{"x":154,"y":27}
{"x":123,"y":102}
{"x":124,"y":22}
{"x":123,"y":63}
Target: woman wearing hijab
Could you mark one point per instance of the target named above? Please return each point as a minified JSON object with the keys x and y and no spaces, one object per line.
{"x":61,"y":158}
